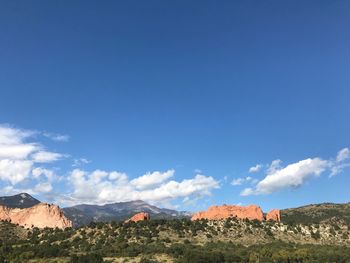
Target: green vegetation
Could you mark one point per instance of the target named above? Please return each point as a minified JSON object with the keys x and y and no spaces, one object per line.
{"x":319,"y":213}
{"x":88,"y":258}
{"x":179,"y":240}
{"x":10,"y":232}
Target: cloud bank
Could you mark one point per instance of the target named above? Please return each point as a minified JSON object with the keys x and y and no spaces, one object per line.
{"x":100,"y":187}
{"x":296,"y":174}
{"x":26,"y":166}
{"x":18,"y":157}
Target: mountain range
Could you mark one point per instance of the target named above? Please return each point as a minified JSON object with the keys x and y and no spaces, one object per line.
{"x":84,"y":213}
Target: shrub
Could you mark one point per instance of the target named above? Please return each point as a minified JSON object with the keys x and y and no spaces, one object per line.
{"x":89,"y":258}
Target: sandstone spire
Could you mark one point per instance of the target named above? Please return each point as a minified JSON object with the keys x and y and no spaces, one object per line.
{"x":274,"y":215}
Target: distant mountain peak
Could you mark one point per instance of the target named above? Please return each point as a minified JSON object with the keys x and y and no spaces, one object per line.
{"x":25,"y":195}
{"x":22,"y":200}
{"x":138,"y":202}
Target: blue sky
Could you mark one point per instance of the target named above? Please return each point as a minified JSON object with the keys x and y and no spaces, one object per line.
{"x":178,"y":98}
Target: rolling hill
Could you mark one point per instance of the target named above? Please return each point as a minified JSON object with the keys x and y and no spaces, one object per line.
{"x":317,"y":213}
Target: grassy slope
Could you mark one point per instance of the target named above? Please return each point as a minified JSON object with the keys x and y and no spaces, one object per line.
{"x":318,"y":213}
{"x":11,"y":233}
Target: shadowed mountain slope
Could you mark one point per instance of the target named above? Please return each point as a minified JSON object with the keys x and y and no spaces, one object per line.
{"x":22,"y":200}
{"x":83,"y":214}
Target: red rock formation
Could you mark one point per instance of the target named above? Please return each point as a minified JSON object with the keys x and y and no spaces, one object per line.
{"x":220,"y":212}
{"x":274,"y":215}
{"x":41,"y":215}
{"x":139,"y":217}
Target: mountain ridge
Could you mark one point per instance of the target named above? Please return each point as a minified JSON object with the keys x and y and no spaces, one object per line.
{"x":83,"y":213}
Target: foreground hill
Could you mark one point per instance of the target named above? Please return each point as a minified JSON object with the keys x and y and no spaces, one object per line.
{"x":84,"y":214}
{"x":313,"y":233}
{"x":183,"y":240}
{"x":317,"y":213}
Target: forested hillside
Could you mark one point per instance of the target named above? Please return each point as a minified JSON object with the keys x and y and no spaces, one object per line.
{"x":182,"y":240}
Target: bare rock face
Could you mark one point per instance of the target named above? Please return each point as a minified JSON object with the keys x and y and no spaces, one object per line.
{"x":139,"y":217}
{"x":41,"y":215}
{"x":225,"y":211}
{"x":274,"y":215}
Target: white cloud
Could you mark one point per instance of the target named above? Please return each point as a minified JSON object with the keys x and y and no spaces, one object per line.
{"x":338,"y":168}
{"x":274,"y":166}
{"x":200,"y":185}
{"x":342,"y":155}
{"x":49,"y":174}
{"x":12,"y":145}
{"x":255,"y":168}
{"x":152,"y":179}
{"x":115,"y":187}
{"x":13,"y":136}
{"x":340,"y":163}
{"x":291,"y":176}
{"x":240,"y":181}
{"x":237,"y":181}
{"x":80,"y":162}
{"x":18,"y":157}
{"x":56,"y":137}
{"x":97,"y":176}
{"x":46,"y":157}
{"x":247,"y":191}
{"x":44,"y":187}
{"x":16,"y":151}
{"x":14,"y":171}
{"x":119,"y":177}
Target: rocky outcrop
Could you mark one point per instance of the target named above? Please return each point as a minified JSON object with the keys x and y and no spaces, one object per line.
{"x":41,"y":215}
{"x":139,"y":217}
{"x":220,"y":212}
{"x":274,"y":215}
{"x":250,"y":212}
